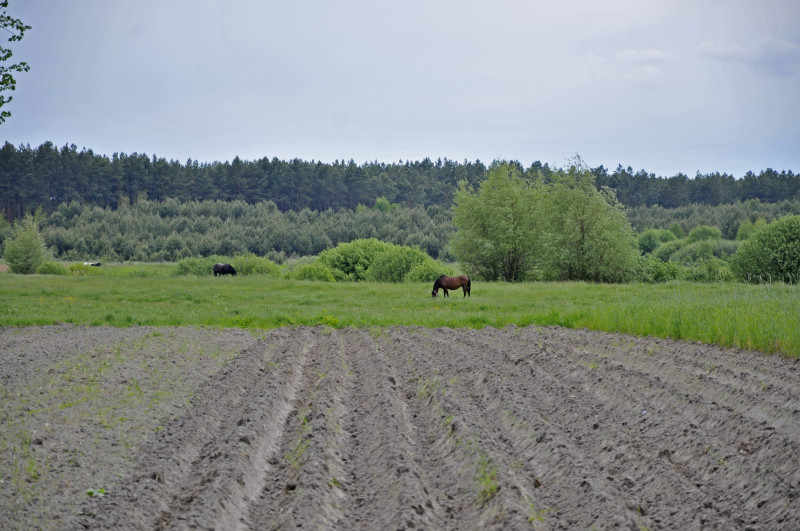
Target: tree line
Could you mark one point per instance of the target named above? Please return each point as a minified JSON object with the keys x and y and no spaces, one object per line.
{"x":47,"y":176}
{"x":171,"y":230}
{"x":556,"y":227}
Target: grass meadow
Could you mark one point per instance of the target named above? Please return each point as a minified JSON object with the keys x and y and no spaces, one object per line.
{"x":758,"y":317}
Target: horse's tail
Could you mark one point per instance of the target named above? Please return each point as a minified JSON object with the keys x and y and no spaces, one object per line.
{"x":469,"y":287}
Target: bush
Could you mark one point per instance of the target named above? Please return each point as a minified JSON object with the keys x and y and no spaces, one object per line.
{"x":771,"y":254}
{"x":667,"y":249}
{"x":703,"y":232}
{"x":351,"y":261}
{"x":201,"y":266}
{"x":694,"y":252}
{"x":250,"y":264}
{"x":653,"y":270}
{"x":393,"y":264}
{"x":313,"y":271}
{"x":80,"y":270}
{"x":51,"y":268}
{"x":25,"y":250}
{"x":428,"y":271}
{"x":711,"y":270}
{"x":650,"y":239}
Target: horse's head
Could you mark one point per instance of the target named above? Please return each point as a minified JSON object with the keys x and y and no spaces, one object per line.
{"x":434,"y":293}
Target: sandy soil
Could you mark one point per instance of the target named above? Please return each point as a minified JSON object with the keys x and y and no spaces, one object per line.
{"x":518,"y":428}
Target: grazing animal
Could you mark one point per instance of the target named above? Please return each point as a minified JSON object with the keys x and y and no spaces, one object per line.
{"x":224,"y":269}
{"x":95,"y":264}
{"x":445,"y":283}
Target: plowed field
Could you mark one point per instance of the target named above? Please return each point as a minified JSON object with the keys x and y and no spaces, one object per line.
{"x":393,"y":428}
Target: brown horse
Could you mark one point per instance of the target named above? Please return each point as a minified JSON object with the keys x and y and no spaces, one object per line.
{"x":445,"y":283}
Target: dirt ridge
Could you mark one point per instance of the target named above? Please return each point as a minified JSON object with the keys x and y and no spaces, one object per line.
{"x":407,"y":428}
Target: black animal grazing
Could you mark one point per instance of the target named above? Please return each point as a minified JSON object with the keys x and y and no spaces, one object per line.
{"x":445,"y":283}
{"x":224,"y":269}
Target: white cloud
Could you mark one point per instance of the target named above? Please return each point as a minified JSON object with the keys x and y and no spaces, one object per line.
{"x":779,"y":55}
{"x":643,"y":67}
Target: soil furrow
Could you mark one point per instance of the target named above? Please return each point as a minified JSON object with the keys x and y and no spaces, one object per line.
{"x":306,"y":470}
{"x":713,"y":434}
{"x":535,"y":427}
{"x":540,"y":451}
{"x":768,"y":388}
{"x":618,"y":463}
{"x":179,"y":468}
{"x":712,"y":454}
{"x":468,"y":398}
{"x":235,"y":464}
{"x":388,"y":482}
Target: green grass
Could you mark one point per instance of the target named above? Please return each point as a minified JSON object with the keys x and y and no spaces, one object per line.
{"x":758,"y":317}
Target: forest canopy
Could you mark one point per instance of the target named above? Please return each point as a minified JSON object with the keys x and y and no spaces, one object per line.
{"x":48,"y":176}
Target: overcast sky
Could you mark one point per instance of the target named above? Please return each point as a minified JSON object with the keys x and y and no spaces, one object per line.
{"x":666,"y":86}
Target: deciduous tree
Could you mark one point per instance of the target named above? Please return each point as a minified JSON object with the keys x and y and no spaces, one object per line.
{"x":17,"y":29}
{"x":587,"y":234}
{"x":497,"y":226}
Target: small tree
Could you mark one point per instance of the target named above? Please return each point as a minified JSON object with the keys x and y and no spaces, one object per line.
{"x":25,"y":250}
{"x":588,"y":236}
{"x":496,"y":237}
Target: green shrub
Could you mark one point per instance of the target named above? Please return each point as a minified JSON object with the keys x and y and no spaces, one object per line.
{"x":693,"y":252}
{"x":711,"y":270}
{"x":703,"y":232}
{"x":199,"y":266}
{"x":652,"y":270}
{"x":393,"y":264}
{"x":250,"y":264}
{"x":428,"y":271}
{"x":52,"y":268}
{"x":649,"y":240}
{"x":80,"y":270}
{"x":312,"y":271}
{"x":771,"y":254}
{"x":665,"y":250}
{"x":25,"y":250}
{"x":351,"y":261}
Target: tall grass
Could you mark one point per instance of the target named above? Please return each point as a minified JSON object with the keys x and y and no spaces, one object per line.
{"x":758,"y":317}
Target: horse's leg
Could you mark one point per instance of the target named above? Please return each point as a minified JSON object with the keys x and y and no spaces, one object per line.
{"x":446,"y":294}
